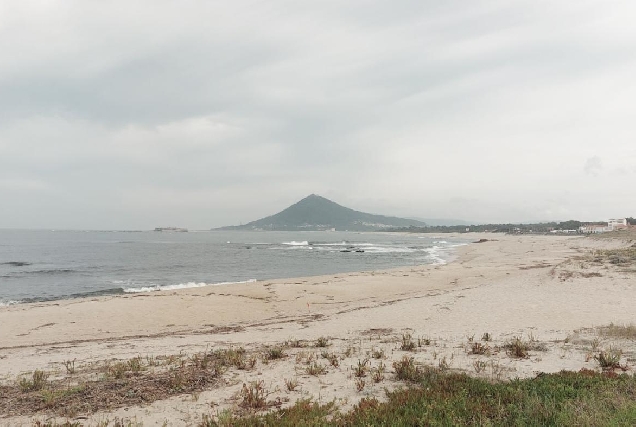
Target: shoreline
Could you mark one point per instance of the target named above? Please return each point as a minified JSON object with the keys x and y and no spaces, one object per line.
{"x":435,"y":255}
{"x":240,"y":289}
{"x":535,"y":287}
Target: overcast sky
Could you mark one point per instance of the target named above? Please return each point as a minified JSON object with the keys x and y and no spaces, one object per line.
{"x":136,"y":114}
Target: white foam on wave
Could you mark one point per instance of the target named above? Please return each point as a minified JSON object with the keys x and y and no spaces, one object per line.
{"x":181,"y":286}
{"x":433,"y":254}
{"x":9,"y":303}
{"x":388,"y":249}
{"x":441,"y":242}
{"x":295,"y":243}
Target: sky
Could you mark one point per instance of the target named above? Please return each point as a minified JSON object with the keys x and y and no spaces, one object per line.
{"x":198,"y":114}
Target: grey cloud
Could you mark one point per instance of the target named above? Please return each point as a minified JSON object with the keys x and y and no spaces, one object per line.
{"x":593,"y":166}
{"x":180,"y":109}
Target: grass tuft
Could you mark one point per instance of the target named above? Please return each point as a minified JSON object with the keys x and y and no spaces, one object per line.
{"x":291,"y":384}
{"x":517,"y":348}
{"x":275,"y":353}
{"x":407,"y":343}
{"x":316,"y":369}
{"x":254,"y":395}
{"x":361,"y":369}
{"x":478,"y":348}
{"x":406,"y":370}
{"x":37,"y":381}
{"x":609,"y":359}
{"x":322,"y":342}
{"x":626,"y":332}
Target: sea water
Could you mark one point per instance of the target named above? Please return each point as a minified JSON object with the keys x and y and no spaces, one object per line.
{"x":47,"y":265}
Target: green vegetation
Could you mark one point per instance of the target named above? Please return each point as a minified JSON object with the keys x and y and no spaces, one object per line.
{"x":322,"y":342}
{"x":37,"y":382}
{"x":541,"y":227}
{"x":620,"y":257}
{"x":627,"y":332}
{"x":407,"y":342}
{"x":567,"y":398}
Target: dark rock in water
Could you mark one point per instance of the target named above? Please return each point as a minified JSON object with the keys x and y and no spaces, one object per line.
{"x":482,"y":241}
{"x":359,"y":250}
{"x":17,"y":263}
{"x":346,"y":250}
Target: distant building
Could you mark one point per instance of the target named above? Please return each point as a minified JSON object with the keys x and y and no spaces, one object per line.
{"x":594,"y":229}
{"x":617,"y":224}
{"x":612,"y":224}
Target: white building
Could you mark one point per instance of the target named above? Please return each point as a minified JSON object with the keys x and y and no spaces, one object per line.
{"x":617,"y":223}
{"x":612,"y":224}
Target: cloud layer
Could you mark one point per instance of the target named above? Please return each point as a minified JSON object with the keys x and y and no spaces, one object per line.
{"x":201,"y":114}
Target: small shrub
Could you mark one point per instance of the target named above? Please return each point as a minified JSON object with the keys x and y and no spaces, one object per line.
{"x":275,"y":353}
{"x":135,"y":365}
{"x":405,"y":369}
{"x":322,"y":342}
{"x":407,"y":342}
{"x":291,"y":384}
{"x":361,"y":369}
{"x":377,"y":354}
{"x":627,"y":332}
{"x":609,"y":359}
{"x":294,"y":343}
{"x":316,"y":369}
{"x":378,"y":373}
{"x":234,"y":357}
{"x":360,"y":384}
{"x":486,"y":337}
{"x":332,"y":358}
{"x":70,"y":366}
{"x":479,"y":366}
{"x":37,"y":382}
{"x":254,"y":395}
{"x":443,"y":364}
{"x":479,"y":348}
{"x":423,"y":341}
{"x":517,"y":348}
{"x":118,"y":370}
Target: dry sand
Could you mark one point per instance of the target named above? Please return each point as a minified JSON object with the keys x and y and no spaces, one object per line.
{"x":540,"y":288}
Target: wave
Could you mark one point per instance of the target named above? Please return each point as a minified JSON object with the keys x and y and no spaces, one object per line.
{"x":343,"y":243}
{"x":294,"y":243}
{"x":388,"y":250}
{"x":16,"y":263}
{"x":119,"y":291}
{"x":434,"y":255}
{"x":9,"y":303}
{"x":53,"y":271}
{"x":181,"y":286}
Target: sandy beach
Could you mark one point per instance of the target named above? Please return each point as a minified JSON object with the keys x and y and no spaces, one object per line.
{"x":549,"y":291}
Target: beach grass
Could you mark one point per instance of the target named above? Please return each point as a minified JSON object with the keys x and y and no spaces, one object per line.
{"x":566,"y":398}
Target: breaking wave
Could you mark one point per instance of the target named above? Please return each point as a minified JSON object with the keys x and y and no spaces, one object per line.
{"x":8,"y":303}
{"x":181,"y":286}
{"x":294,"y":243}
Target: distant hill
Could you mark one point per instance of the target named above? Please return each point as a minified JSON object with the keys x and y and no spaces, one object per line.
{"x":317,"y":213}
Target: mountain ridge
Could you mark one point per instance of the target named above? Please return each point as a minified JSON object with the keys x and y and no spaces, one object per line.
{"x":315,"y":212}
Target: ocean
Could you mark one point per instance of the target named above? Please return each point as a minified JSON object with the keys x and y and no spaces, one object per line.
{"x":49,"y":265}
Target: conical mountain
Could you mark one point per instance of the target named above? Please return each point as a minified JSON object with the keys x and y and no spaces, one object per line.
{"x":317,"y":213}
